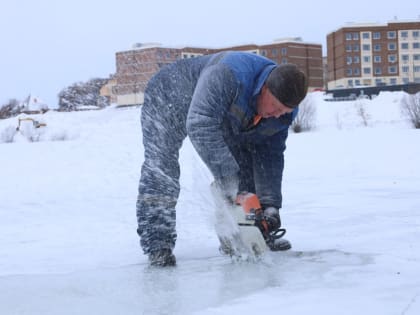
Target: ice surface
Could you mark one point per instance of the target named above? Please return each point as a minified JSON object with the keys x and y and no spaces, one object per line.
{"x":351,"y":207}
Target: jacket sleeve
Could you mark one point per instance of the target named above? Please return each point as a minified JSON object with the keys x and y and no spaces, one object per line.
{"x":268,"y":169}
{"x":215,"y":91}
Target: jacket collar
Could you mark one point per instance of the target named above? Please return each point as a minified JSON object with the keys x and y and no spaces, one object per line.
{"x":261,"y":79}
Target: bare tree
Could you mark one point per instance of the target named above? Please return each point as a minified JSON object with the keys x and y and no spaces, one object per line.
{"x":410,"y":106}
{"x":361,"y":111}
{"x":82,"y":94}
{"x":305,"y":119}
{"x":10,"y":109}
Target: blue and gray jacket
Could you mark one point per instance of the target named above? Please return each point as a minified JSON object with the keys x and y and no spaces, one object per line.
{"x":224,"y":89}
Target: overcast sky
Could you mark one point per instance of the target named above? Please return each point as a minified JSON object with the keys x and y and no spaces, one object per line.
{"x":48,"y":45}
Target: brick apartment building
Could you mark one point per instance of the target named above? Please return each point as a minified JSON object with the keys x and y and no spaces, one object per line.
{"x":374,"y":54}
{"x":135,"y":67}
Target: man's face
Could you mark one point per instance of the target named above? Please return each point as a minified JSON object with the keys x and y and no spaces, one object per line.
{"x":269,"y":106}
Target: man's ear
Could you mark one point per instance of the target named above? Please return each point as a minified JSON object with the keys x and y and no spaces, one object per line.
{"x":264,"y":88}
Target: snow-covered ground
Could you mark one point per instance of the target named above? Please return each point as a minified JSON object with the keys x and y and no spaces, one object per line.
{"x":68,"y":243}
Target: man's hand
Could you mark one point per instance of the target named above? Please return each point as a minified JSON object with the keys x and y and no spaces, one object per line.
{"x":272,"y":216}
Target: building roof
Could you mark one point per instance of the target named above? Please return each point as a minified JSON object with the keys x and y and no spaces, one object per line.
{"x":373,"y":24}
{"x":140,"y":46}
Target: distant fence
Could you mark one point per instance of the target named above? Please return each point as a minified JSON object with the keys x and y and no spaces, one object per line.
{"x":368,"y":91}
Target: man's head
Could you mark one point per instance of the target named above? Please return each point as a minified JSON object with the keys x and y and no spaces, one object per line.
{"x":284,"y":89}
{"x":288,"y":84}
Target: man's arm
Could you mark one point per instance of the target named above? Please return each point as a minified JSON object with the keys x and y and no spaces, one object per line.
{"x":215,"y":91}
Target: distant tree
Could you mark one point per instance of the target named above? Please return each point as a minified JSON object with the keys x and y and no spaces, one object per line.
{"x":82,"y":94}
{"x":410,"y":106}
{"x":305,"y":119}
{"x":362,"y":113}
{"x":10,"y":109}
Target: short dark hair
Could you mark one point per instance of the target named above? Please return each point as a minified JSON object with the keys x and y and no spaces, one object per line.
{"x":288,"y":84}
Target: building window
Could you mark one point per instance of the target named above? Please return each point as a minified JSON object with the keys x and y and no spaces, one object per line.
{"x":416,"y":45}
{"x":405,"y":58}
{"x":356,"y":47}
{"x":404,"y":45}
{"x":356,"y":36}
{"x":378,"y":81}
{"x":378,"y":70}
{"x":350,"y":82}
{"x":393,"y":81}
{"x":392,"y":34}
{"x":366,"y":58}
{"x":356,"y":82}
{"x":416,"y":68}
{"x":274,"y":52}
{"x":348,"y":60}
{"x":392,"y":69}
{"x":365,"y":35}
{"x":392,"y":58}
{"x":366,"y":47}
{"x":284,"y":60}
{"x":405,"y":80}
{"x":377,"y":47}
{"x":404,"y":34}
{"x":284,"y":51}
{"x":263,"y":53}
{"x":416,"y":57}
{"x":348,"y":36}
{"x":376,"y":35}
{"x":405,"y":69}
{"x":366,"y":70}
{"x":356,"y":59}
{"x":348,"y":48}
{"x":377,"y":59}
{"x":392,"y":46}
{"x":349,"y":72}
{"x":416,"y":33}
{"x":356,"y":71}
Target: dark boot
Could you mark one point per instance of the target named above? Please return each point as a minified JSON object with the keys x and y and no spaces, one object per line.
{"x":162,"y":258}
{"x":279,"y":244}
